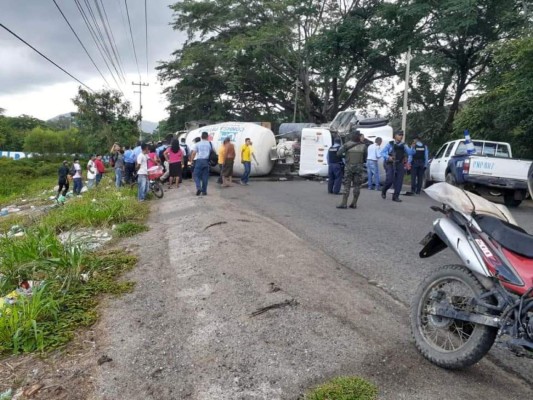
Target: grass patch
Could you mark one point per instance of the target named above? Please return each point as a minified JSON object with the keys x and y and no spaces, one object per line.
{"x":72,"y":278}
{"x":128,"y":229}
{"x":344,"y":388}
{"x":100,"y":208}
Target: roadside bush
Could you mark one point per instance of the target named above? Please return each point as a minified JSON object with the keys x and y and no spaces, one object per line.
{"x":344,"y":388}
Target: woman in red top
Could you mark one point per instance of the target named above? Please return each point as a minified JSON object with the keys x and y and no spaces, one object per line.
{"x":153,"y":160}
{"x":174,"y":156}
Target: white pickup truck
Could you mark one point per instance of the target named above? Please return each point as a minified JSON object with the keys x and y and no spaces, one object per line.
{"x":491,"y":170}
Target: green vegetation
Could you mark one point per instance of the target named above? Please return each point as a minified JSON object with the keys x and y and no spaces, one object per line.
{"x":67,"y":279}
{"x":130,"y":229}
{"x":344,"y":388}
{"x":22,"y":177}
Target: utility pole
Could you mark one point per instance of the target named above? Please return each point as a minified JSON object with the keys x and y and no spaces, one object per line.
{"x":140,"y":91}
{"x":406,"y":92}
{"x":295,"y":99}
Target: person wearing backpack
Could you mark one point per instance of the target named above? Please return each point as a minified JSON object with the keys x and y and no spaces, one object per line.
{"x":394,"y":154}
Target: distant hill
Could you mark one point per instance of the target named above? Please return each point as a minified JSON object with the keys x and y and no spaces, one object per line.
{"x":147,"y":126}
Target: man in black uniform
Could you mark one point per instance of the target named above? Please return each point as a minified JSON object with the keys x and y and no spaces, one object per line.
{"x":419,"y":163}
{"x":335,"y":168}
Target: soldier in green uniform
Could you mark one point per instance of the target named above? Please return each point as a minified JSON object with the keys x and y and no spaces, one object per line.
{"x":354,"y":153}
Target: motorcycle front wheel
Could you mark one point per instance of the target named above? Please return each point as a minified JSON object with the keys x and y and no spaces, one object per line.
{"x":157,"y":189}
{"x":446,"y":342}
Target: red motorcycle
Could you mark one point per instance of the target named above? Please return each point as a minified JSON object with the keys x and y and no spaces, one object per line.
{"x":459,"y":310}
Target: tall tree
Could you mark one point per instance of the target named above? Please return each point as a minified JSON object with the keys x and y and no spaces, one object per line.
{"x":103,"y":118}
{"x":505,"y":111}
{"x":456,"y":37}
{"x":251,"y":60}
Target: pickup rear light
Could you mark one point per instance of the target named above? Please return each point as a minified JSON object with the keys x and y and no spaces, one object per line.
{"x":466,"y":166}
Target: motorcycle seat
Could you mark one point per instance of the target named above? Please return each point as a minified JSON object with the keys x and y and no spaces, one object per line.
{"x":510,"y":236}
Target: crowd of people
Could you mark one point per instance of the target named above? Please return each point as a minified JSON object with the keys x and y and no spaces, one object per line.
{"x":177,"y":162}
{"x":346,"y":164}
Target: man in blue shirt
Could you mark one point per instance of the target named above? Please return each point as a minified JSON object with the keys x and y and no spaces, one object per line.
{"x":394,"y":154}
{"x":129,"y":165}
{"x":419,"y":163}
{"x":201,"y":151}
{"x":335,"y":168}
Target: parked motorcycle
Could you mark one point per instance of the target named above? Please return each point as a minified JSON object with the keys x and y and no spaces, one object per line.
{"x":459,"y":310}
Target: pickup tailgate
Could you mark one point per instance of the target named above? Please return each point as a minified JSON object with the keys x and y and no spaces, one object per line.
{"x":498,"y":171}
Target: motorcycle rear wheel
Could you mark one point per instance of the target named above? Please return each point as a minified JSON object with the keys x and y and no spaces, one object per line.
{"x":446,"y":342}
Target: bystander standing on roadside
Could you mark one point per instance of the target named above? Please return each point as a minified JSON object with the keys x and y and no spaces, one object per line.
{"x":129,"y":165}
{"x":229,"y":160}
{"x":394,"y":154}
{"x":119,"y":168}
{"x":77,"y":177}
{"x":186,"y":153}
{"x":354,"y":153}
{"x":221,"y":156}
{"x":174,"y":157}
{"x":247,"y":153}
{"x":335,"y":167}
{"x":91,"y":172}
{"x":372,"y":164}
{"x":142,"y":173}
{"x":153,"y":159}
{"x":100,"y":168}
{"x":419,"y":162}
{"x":63,"y":176}
{"x":200,"y":152}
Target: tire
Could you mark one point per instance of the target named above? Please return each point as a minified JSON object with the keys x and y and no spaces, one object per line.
{"x":510,"y":201}
{"x":451,"y":179}
{"x":426,"y":182}
{"x":157,"y":189}
{"x":480,"y":338}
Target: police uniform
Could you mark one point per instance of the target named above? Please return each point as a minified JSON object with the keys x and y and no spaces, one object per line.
{"x":398,"y":151}
{"x":335,"y":169}
{"x":354,"y":158}
{"x":418,"y":165}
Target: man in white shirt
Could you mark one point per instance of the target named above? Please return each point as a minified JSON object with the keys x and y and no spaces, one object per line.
{"x":142,"y":173}
{"x":200,"y":153}
{"x":77,"y":178}
{"x":91,"y":172}
{"x":372,"y":165}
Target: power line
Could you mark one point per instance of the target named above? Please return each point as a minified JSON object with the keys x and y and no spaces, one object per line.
{"x":81,"y":43}
{"x":42,"y":55}
{"x":95,"y":39}
{"x":103,"y":41}
{"x":109,"y":34}
{"x":146,"y":36}
{"x":132,"y":41}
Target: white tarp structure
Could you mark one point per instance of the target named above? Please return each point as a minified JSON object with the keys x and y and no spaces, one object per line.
{"x":466,"y":202}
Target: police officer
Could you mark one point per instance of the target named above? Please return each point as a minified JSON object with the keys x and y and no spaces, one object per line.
{"x":354,"y":153}
{"x":335,"y":167}
{"x":419,"y":163}
{"x":394,"y":154}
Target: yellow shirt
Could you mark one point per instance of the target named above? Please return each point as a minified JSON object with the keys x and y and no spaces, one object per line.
{"x":221,"y":154}
{"x":246,"y":153}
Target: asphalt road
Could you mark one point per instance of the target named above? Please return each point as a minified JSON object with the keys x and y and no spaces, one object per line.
{"x":379,"y":240}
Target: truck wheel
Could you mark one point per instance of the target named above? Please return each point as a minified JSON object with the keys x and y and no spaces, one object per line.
{"x":451,"y":179}
{"x":510,"y":201}
{"x":426,"y":182}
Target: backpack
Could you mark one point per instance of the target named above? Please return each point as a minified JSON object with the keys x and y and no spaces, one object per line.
{"x":213,"y":157}
{"x":72,"y":171}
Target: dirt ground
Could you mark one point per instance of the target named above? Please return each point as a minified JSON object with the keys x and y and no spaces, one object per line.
{"x":232,"y":305}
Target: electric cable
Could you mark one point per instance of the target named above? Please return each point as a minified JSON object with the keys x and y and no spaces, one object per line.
{"x":95,"y":39}
{"x":45,"y":57}
{"x":132,"y":41}
{"x":146,"y":34}
{"x":103,"y":43}
{"x":81,"y":43}
{"x":109,"y":34}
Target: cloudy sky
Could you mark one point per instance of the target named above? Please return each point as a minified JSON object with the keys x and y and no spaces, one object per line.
{"x":31,"y":85}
